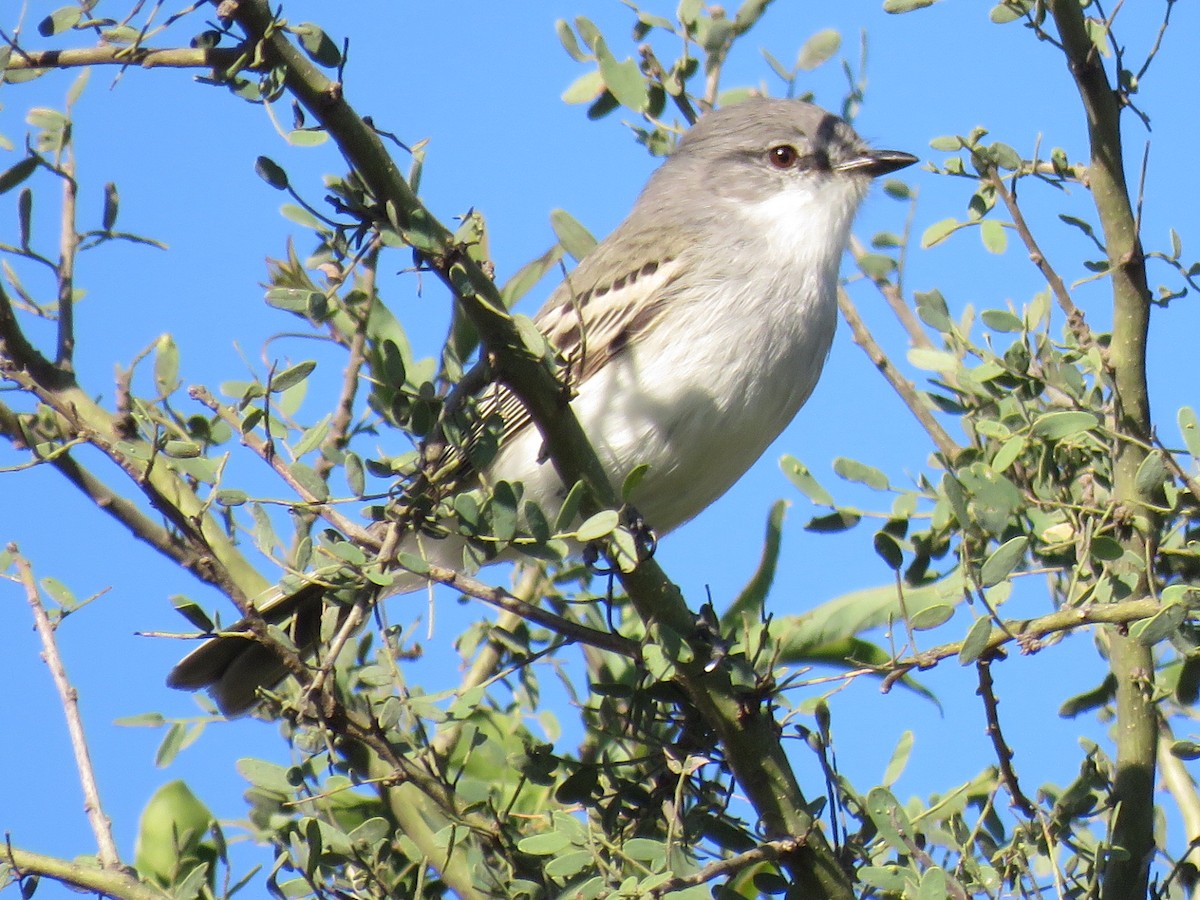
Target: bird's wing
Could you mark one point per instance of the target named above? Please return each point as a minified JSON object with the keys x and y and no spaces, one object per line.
{"x":587,"y":326}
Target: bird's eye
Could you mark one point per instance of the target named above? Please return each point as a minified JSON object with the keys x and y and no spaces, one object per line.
{"x":783,"y":157}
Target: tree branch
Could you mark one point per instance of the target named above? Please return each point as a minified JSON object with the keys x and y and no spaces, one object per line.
{"x":1126,"y":874}
{"x":101,"y":825}
{"x":144,"y":57}
{"x":908,"y":393}
{"x":88,"y":878}
{"x":1029,"y":632}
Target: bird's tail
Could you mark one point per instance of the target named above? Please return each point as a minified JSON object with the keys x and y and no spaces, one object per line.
{"x":233,"y":665}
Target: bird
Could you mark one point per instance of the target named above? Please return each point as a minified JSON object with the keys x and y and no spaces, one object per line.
{"x":693,"y":335}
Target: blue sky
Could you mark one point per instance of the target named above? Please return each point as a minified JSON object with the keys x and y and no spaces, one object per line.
{"x":482,"y":81}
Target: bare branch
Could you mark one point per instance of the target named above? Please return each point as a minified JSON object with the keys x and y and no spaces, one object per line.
{"x":908,"y":393}
{"x":1075,"y":319}
{"x":1004,"y":753}
{"x":88,"y":878}
{"x":101,"y":825}
{"x":222,"y":58}
{"x":1029,"y":632}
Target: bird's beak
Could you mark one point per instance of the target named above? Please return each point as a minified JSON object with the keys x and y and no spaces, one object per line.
{"x":877,"y":162}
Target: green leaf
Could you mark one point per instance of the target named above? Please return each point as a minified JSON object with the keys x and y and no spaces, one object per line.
{"x":800,"y":476}
{"x":271,"y":172}
{"x":356,"y":476}
{"x":1160,"y":626}
{"x":890,"y":819}
{"x":644,"y":849}
{"x":939,"y":231}
{"x":536,"y":521}
{"x":838,"y":520}
{"x":574,"y":237}
{"x":850,"y":614}
{"x":182,"y":449}
{"x":307,"y":137}
{"x":993,"y":235}
{"x":530,"y":274}
{"x":567,"y":865}
{"x":171,"y":832}
{"x":932,"y":308}
{"x":877,"y":266}
{"x":584,"y":89}
{"x":1105,"y":548}
{"x":351,"y":553}
{"x":504,"y":512}
{"x":59,"y":592}
{"x":1057,"y":426}
{"x":630,"y":485}
{"x":751,"y":599}
{"x":545,"y":844}
{"x":818,"y":49}
{"x":899,"y":760}
{"x":931,"y":360}
{"x":166,"y":366}
{"x":600,"y":525}
{"x":1008,"y":452}
{"x":308,"y":479}
{"x":1150,"y":477}
{"x":192,"y":611}
{"x":976,"y":641}
{"x":62,"y":19}
{"x":410,"y":562}
{"x":111,"y":204}
{"x":1004,"y":13}
{"x":852,"y":470}
{"x":312,"y":437}
{"x":170,"y":745}
{"x":266,"y":776}
{"x":292,"y":376}
{"x":947,"y":143}
{"x":17,"y":173}
{"x":318,"y":45}
{"x":890,"y":879}
{"x":1002,"y":320}
{"x":1090,"y":700}
{"x":1006,"y":558}
{"x":1185,"y":749}
{"x":622,"y":79}
{"x":570,"y":508}
{"x":930,"y":617}
{"x":566,"y":37}
{"x":889,"y":550}
{"x":1189,"y":427}
{"x":933,"y":885}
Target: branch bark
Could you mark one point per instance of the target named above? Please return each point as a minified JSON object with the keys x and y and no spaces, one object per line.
{"x":101,"y":825}
{"x":1132,"y":663}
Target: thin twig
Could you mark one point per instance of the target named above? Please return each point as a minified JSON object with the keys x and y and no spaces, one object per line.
{"x":1004,"y":753}
{"x":890,"y":291}
{"x":82,"y":875}
{"x":767,"y":852}
{"x":219,"y":58}
{"x":1028,"y":633}
{"x":68,"y":245}
{"x":1075,"y":319}
{"x":908,"y":393}
{"x":101,"y":826}
{"x":264,"y":449}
